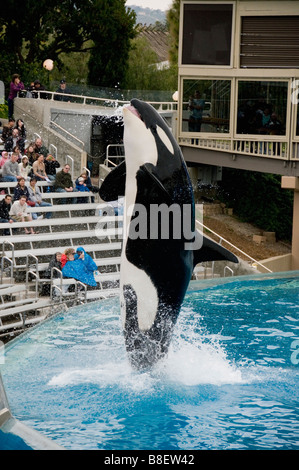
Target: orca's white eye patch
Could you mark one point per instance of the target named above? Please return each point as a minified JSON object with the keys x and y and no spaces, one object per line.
{"x":165,"y":139}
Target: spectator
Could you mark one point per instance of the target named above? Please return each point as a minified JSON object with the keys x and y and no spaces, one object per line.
{"x":30,"y":89}
{"x":31,"y":153}
{"x":38,"y":87}
{"x":196,"y":107}
{"x":51,"y":164}
{"x":35,"y":196}
{"x":82,"y":268}
{"x":4,"y":158}
{"x":21,"y":128}
{"x":17,"y":150}
{"x":87,"y":181}
{"x":11,"y":170}
{"x":63,"y":182}
{"x":64,"y":91}
{"x":21,"y":190}
{"x":15,"y":86}
{"x":39,"y":147}
{"x":25,"y":168}
{"x":19,"y":212}
{"x":39,"y":169}
{"x":55,"y":262}
{"x":7,"y":130}
{"x":275,"y":126}
{"x":13,"y":141}
{"x":81,"y":187}
{"x":263,"y":118}
{"x":5,"y":206}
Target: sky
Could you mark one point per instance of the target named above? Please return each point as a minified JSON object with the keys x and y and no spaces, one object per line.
{"x":153,"y":4}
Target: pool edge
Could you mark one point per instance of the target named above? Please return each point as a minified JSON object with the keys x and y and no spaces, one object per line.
{"x":10,"y":425}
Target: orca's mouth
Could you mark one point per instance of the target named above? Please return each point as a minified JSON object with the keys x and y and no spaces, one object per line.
{"x":134,"y":111}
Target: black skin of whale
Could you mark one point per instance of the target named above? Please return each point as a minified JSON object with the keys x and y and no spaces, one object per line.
{"x":168,"y":264}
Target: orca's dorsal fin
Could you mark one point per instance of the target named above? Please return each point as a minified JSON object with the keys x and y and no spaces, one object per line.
{"x":114,"y":184}
{"x":211,"y":251}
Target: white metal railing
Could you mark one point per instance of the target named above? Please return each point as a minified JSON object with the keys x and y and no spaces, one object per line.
{"x":119,"y":154}
{"x":247,"y":146}
{"x":29,"y":271}
{"x":9,"y":261}
{"x":59,"y":287}
{"x":105,"y":102}
{"x":54,"y":124}
{"x":7,"y":242}
{"x":67,"y":158}
{"x":233,"y":246}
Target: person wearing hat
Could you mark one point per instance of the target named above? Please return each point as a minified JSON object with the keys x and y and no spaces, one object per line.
{"x":63,"y":90}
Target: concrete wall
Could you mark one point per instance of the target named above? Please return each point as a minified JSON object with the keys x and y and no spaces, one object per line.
{"x":37,"y":115}
{"x":276,"y":264}
{"x":4,"y":407}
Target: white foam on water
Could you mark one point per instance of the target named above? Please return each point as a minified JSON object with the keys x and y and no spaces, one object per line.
{"x":199,"y":363}
{"x":119,"y":374}
{"x":194,"y":358}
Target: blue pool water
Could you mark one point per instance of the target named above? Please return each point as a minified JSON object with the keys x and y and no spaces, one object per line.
{"x":230,"y":380}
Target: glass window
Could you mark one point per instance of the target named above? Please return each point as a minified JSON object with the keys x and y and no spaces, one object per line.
{"x":262,"y":107}
{"x":207,"y":32}
{"x":206,"y":106}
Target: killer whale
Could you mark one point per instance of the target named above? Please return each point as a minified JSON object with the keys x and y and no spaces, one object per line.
{"x":155,"y":270}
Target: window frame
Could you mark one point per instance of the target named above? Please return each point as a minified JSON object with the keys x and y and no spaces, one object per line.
{"x":233,"y":29}
{"x":288,"y":108}
{"x":203,"y":134}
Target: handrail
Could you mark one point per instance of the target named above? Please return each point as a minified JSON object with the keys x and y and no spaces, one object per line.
{"x":12,"y":249}
{"x":169,"y":105}
{"x":2,"y":267}
{"x":87,"y":171}
{"x":67,"y":132}
{"x":233,"y":246}
{"x":31,"y":272}
{"x":109,"y":157}
{"x":79,"y":283}
{"x":56,"y":287}
{"x":110,"y":162}
{"x":227,"y":268}
{"x":68,"y":157}
{"x":36,"y":281}
{"x":55,"y":149}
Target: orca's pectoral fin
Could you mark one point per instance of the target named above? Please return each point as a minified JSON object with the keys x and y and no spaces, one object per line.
{"x":147,"y":179}
{"x":114,"y":184}
{"x":211,"y":251}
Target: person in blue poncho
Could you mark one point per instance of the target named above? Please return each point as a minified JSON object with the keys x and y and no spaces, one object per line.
{"x":81,"y":268}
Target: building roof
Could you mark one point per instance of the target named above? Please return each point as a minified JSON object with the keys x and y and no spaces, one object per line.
{"x":158,"y":39}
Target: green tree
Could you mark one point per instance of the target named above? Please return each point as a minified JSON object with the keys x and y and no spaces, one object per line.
{"x":111,"y":37}
{"x":173,"y":19}
{"x":258,"y":198}
{"x":143,"y":74}
{"x":33,"y":31}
